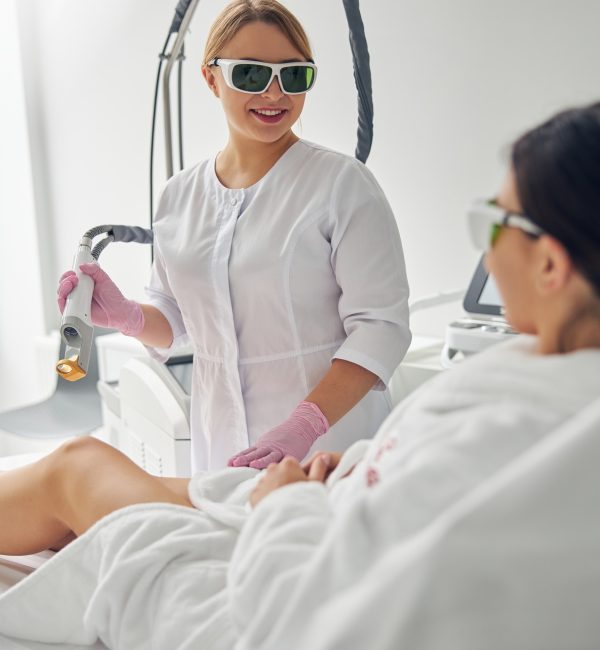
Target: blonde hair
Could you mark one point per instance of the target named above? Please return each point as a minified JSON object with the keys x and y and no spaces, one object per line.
{"x":239,"y":13}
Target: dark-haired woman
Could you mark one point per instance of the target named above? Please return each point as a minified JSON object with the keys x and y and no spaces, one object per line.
{"x":321,"y":556}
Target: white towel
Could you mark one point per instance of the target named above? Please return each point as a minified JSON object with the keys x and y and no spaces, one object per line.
{"x":309,"y":560}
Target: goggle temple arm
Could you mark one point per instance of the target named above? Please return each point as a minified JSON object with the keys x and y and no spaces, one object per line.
{"x":481,"y":217}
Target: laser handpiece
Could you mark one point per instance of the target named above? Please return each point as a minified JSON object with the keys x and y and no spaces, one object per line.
{"x":77,"y":330}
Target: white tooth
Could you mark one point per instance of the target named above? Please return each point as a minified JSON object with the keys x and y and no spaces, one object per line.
{"x":269,"y":112}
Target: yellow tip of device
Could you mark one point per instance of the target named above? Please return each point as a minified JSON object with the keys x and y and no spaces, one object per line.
{"x":70,"y":369}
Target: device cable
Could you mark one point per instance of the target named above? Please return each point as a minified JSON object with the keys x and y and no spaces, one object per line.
{"x":362,"y":78}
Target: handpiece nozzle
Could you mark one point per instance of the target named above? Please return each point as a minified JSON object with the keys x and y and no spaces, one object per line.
{"x":70,"y":369}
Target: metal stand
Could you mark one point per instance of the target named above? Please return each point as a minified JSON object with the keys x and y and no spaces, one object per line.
{"x":171,"y":57}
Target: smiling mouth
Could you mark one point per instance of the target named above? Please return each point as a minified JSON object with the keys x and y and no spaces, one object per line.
{"x":269,"y":115}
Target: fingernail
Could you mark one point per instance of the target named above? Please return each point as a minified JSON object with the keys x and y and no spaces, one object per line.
{"x":326,"y":459}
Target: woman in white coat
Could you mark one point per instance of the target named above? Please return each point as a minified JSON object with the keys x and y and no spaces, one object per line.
{"x":278,"y":259}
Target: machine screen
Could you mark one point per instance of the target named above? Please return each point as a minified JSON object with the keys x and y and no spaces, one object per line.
{"x":482,"y":296}
{"x":490,"y":294}
{"x":181,"y":369}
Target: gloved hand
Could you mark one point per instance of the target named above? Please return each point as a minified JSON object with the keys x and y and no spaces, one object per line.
{"x":293,"y":437}
{"x":110,"y":308}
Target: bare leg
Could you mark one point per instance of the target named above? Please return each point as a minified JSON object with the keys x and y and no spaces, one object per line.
{"x":47,"y":504}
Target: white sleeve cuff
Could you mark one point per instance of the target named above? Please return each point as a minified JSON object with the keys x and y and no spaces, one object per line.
{"x":367,"y":362}
{"x":170,"y":310}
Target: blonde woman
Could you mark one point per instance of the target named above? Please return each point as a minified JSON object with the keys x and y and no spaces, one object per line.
{"x":278,"y":259}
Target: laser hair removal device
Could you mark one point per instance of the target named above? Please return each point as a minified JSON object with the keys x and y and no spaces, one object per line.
{"x":76,"y":328}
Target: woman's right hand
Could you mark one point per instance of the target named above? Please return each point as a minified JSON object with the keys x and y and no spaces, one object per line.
{"x":110,"y":308}
{"x":330,"y":460}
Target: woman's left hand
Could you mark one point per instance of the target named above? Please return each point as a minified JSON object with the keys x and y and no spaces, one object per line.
{"x":294,"y":437}
{"x":287,"y":471}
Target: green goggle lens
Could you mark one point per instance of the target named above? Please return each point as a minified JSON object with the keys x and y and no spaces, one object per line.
{"x":495,"y":231}
{"x":253,"y":78}
{"x":297,"y":78}
{"x":250,"y":78}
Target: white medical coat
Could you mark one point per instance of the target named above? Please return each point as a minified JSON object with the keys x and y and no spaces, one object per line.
{"x":269,"y":284}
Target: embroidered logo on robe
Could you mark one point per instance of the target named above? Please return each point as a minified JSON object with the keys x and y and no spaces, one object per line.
{"x":372,"y":474}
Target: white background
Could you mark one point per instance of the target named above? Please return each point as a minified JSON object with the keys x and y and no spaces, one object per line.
{"x":455,"y":81}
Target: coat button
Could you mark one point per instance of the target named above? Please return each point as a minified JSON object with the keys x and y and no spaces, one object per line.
{"x":233,"y":201}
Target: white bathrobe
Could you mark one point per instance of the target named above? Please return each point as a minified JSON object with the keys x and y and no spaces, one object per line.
{"x":391,"y":556}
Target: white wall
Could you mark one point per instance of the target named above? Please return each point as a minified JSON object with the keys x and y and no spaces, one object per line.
{"x":21,"y":318}
{"x":454,"y":83}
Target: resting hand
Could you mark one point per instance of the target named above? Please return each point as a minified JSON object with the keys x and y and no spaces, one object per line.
{"x":110,"y":308}
{"x":286,"y":472}
{"x":330,"y":459}
{"x":294,"y":437}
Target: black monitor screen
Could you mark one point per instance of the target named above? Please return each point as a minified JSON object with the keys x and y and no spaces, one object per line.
{"x":490,"y":294}
{"x":482,"y":296}
{"x":181,"y":369}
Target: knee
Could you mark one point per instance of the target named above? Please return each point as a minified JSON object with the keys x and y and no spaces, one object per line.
{"x":78,"y":447}
{"x":58,"y":469}
{"x":78,"y":454}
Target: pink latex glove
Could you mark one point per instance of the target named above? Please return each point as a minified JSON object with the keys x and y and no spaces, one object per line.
{"x":110,"y":308}
{"x":293,"y":437}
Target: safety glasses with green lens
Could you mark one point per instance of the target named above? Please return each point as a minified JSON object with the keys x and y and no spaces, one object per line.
{"x":487,"y":218}
{"x":254,"y":77}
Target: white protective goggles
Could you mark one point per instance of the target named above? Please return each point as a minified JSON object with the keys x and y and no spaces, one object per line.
{"x":254,"y":77}
{"x":487,"y":218}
